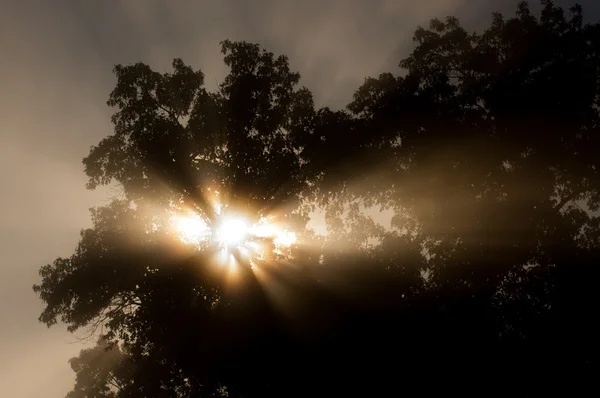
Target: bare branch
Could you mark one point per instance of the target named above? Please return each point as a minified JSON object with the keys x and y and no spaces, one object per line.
{"x":566,"y":200}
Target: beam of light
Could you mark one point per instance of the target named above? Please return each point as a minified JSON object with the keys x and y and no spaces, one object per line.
{"x":238,"y":244}
{"x":191,"y":229}
{"x":285,"y":238}
{"x":236,"y":239}
{"x":263,"y":229}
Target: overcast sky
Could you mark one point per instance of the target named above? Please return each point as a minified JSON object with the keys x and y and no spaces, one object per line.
{"x":56,"y":59}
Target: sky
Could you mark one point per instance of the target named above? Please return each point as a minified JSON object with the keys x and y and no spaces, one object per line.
{"x":56,"y":60}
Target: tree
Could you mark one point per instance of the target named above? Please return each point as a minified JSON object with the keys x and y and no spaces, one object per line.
{"x":495,"y":139}
{"x":102,"y":371}
{"x":484,"y":149}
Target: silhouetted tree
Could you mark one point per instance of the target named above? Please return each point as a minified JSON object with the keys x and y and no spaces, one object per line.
{"x":485,"y":150}
{"x":102,"y":371}
{"x":492,"y":143}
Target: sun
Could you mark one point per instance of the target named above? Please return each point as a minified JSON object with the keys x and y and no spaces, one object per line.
{"x":234,"y":234}
{"x":232,"y":231}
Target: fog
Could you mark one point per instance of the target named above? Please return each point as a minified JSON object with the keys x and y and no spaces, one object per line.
{"x":56,"y":63}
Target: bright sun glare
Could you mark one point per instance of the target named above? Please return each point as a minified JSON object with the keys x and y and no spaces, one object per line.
{"x":191,"y":229}
{"x":232,"y":231}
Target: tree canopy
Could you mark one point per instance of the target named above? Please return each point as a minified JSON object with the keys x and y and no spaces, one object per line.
{"x":483,"y":147}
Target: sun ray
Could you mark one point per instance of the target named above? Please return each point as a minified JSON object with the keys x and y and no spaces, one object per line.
{"x":191,"y":228}
{"x":238,"y":241}
{"x":285,"y":238}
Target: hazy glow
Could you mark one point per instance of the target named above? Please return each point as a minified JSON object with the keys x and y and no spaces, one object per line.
{"x":232,"y":231}
{"x":285,"y":238}
{"x":191,"y":229}
{"x":264,"y":230}
{"x":234,"y":235}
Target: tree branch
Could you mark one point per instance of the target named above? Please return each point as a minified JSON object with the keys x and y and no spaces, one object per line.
{"x":170,"y":113}
{"x":114,"y":382}
{"x":566,"y":199}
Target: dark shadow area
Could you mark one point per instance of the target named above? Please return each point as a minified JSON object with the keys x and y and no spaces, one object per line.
{"x":483,"y":146}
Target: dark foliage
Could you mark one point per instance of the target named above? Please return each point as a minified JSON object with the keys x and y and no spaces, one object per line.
{"x":485,"y":150}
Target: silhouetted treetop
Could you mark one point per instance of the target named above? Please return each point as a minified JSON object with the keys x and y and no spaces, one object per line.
{"x":173,"y":138}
